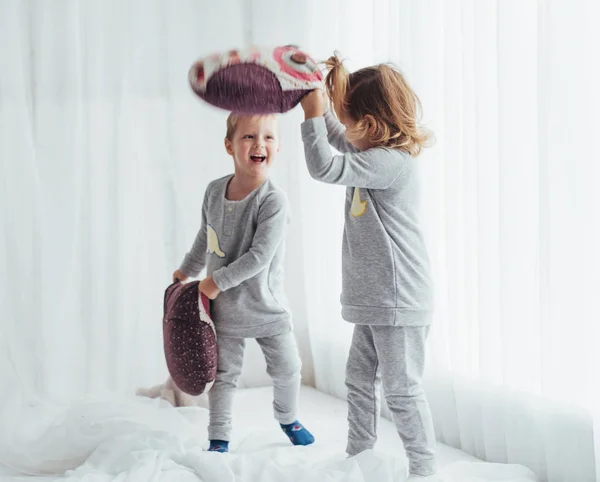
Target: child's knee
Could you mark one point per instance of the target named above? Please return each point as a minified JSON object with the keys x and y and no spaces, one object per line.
{"x":288,"y":371}
{"x":360,"y":378}
{"x":227,"y":377}
{"x":404,"y":399}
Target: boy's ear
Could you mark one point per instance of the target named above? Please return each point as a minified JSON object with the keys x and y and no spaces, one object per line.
{"x":228,"y":147}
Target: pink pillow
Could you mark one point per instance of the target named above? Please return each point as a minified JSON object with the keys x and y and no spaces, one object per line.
{"x":190,"y":339}
{"x":255,"y":80}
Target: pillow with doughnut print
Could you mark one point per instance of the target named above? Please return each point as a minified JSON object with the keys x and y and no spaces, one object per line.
{"x":255,"y":80}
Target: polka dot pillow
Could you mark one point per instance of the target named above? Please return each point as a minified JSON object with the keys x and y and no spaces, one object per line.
{"x":189,"y":337}
{"x":256,"y":80}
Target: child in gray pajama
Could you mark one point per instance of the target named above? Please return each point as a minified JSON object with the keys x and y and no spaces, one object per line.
{"x":386,"y":283}
{"x":241,"y":243}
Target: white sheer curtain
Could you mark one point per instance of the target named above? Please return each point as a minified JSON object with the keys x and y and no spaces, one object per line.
{"x":510,"y":209}
{"x":104,"y":155}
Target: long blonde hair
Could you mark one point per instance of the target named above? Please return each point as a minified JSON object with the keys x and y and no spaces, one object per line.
{"x":381,"y":92}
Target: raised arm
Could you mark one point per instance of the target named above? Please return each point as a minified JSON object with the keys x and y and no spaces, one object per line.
{"x":375,"y":168}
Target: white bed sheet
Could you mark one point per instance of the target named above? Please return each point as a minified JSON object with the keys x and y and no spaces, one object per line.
{"x":135,"y":438}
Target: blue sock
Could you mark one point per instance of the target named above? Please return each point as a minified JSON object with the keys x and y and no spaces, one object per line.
{"x":218,"y":446}
{"x":297,"y":433}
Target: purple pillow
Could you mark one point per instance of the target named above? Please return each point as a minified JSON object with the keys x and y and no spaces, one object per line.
{"x":189,"y":338}
{"x":255,"y":80}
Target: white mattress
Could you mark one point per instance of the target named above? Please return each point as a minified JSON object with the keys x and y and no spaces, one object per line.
{"x":147,"y":440}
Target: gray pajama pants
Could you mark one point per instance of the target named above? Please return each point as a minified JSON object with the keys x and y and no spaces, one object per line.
{"x":283,"y":366}
{"x":396,"y":356}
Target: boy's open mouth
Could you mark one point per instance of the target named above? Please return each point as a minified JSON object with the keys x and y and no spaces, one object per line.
{"x":258,"y":159}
